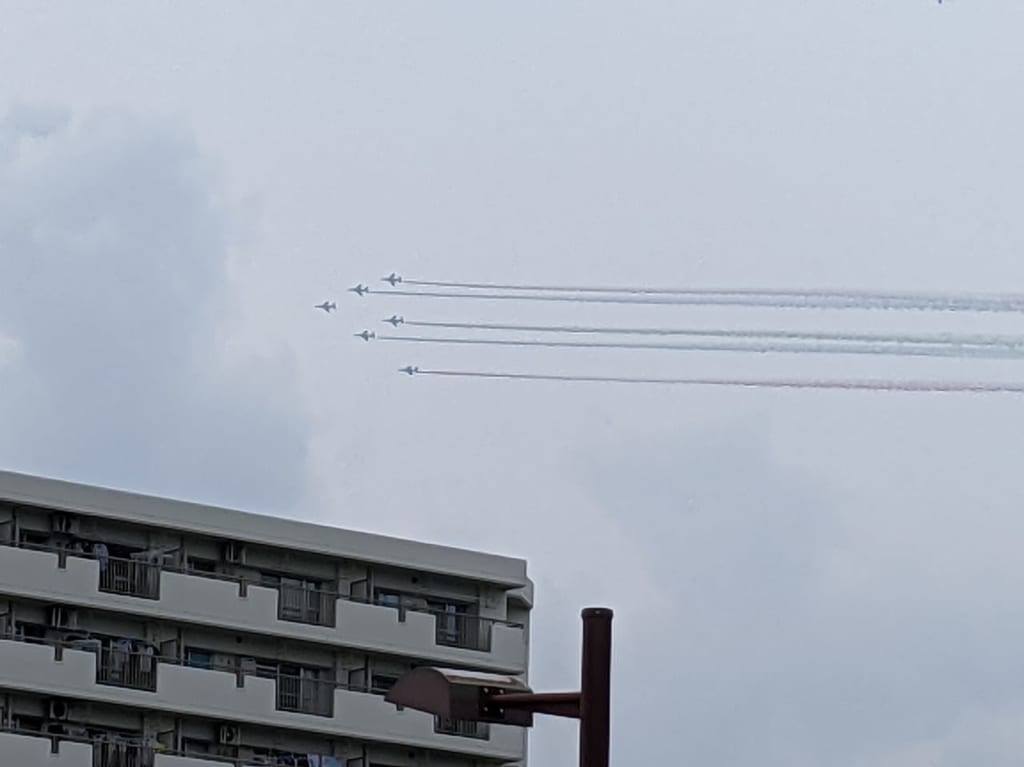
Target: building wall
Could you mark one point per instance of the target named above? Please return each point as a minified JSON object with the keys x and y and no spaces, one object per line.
{"x":21,"y":489}
{"x":266,"y":601}
{"x":204,"y":601}
{"x":27,"y":751}
{"x":218,"y":695}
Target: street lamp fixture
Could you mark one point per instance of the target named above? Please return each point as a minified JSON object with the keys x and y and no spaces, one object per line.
{"x":498,"y":699}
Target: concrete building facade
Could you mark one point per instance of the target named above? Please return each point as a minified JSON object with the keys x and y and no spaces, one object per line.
{"x":145,"y":632}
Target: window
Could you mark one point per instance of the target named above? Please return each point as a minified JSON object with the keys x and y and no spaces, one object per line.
{"x":381,"y":683}
{"x":195,"y":746}
{"x":269,"y":669}
{"x":201,"y":565}
{"x":198,"y":658}
{"x":27,"y":723}
{"x":300,"y":688}
{"x":357,"y":679}
{"x":451,"y":623}
{"x":31,"y":538}
{"x":388,"y":598}
{"x":304,"y":601}
{"x":29,"y":630}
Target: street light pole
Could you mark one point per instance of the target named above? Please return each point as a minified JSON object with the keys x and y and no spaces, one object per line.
{"x":592,"y":704}
{"x":475,"y":697}
{"x":595,"y":687}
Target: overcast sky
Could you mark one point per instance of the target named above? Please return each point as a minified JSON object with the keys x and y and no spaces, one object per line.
{"x":799,"y":578}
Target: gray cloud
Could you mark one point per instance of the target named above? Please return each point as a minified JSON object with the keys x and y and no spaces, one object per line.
{"x":759,"y":647}
{"x":113,"y":258}
{"x":799,"y":579}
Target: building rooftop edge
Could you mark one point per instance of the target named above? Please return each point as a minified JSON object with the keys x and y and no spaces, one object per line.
{"x":250,"y":527}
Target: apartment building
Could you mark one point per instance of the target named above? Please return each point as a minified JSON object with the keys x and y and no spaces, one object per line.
{"x":144,"y":632}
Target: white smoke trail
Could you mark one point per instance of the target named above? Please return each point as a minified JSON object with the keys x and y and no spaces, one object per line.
{"x":788,"y":300}
{"x":901,"y":350}
{"x":840,"y":298}
{"x":938,"y":339}
{"x":953,"y":387}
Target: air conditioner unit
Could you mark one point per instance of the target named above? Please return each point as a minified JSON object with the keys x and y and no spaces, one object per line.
{"x":62,"y":617}
{"x":228,"y":735}
{"x":234,"y":553}
{"x":58,"y":710}
{"x":53,"y":727}
{"x":65,"y":523}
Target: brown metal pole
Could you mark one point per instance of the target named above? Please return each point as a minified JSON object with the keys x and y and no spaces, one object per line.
{"x":595,"y":687}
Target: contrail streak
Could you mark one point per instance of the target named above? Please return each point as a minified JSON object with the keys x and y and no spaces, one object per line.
{"x":793,"y":300}
{"x":904,"y":350}
{"x":953,"y":301}
{"x":976,"y":387}
{"x":941,"y":339}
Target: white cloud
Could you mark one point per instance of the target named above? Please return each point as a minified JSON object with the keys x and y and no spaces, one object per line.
{"x":116,"y":269}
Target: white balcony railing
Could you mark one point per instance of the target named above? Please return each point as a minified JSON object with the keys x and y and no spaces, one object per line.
{"x":19,"y":749}
{"x":25,"y":748}
{"x":223,"y":695}
{"x":146,"y":589}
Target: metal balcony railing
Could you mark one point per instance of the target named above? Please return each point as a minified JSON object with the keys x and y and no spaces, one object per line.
{"x":305,"y":695}
{"x":470,"y":632}
{"x":121,"y":754}
{"x":130,"y":577}
{"x":115,"y":666}
{"x":299,"y":604}
{"x":299,"y":694}
{"x":461,"y":728}
{"x":120,"y":668}
{"x":117,"y":751}
{"x":453,"y":627}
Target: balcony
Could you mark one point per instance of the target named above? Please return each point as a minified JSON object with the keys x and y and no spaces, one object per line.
{"x":305,"y":695}
{"x":26,"y":749}
{"x":118,"y":665}
{"x":129,"y":577}
{"x":167,"y":759}
{"x":469,"y":632}
{"x":218,"y":600}
{"x":226,"y":696}
{"x":121,"y":754}
{"x":458,"y":639}
{"x":124,"y":668}
{"x":302,"y":604}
